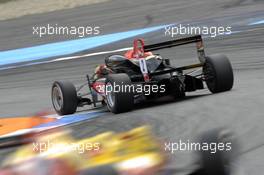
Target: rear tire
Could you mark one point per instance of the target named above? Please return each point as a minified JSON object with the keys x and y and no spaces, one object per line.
{"x":122,"y":101}
{"x":64,"y":97}
{"x":218,"y":73}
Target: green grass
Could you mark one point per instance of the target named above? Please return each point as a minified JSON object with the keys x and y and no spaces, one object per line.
{"x":5,"y":1}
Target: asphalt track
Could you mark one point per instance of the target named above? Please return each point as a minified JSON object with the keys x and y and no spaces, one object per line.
{"x":27,"y":90}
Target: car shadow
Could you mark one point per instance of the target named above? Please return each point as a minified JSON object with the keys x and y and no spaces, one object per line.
{"x":167,"y":100}
{"x":151,"y":103}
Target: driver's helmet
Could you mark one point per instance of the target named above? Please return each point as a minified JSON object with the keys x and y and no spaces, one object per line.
{"x":115,"y":60}
{"x":138,"y":50}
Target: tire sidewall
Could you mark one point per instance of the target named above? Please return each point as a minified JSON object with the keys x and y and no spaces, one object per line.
{"x":124,"y":101}
{"x":69,"y":96}
{"x":222,"y":72}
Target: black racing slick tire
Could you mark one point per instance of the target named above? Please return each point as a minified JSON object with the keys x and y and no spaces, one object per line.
{"x":218,"y":73}
{"x":214,"y":160}
{"x":101,"y":170}
{"x":118,"y":98}
{"x":64,"y":97}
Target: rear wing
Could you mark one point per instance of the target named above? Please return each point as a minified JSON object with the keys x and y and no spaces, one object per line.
{"x":178,"y":42}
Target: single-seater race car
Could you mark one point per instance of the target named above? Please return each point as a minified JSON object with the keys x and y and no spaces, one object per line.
{"x":134,"y":152}
{"x":140,"y":75}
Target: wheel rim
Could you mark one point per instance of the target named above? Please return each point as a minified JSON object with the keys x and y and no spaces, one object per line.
{"x":110,"y":96}
{"x":57,"y":98}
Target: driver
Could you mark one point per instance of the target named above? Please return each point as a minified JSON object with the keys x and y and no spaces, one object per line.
{"x":136,"y":53}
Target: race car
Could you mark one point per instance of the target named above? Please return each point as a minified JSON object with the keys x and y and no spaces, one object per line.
{"x":140,"y":75}
{"x":134,"y":152}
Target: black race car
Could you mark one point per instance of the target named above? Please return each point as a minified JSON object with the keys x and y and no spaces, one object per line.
{"x":140,"y":75}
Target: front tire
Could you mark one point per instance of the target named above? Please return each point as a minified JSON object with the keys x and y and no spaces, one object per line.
{"x":218,"y":73}
{"x":218,"y":162}
{"x":64,"y":97}
{"x":123,"y":100}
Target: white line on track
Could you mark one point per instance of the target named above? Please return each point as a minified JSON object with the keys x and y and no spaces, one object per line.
{"x":92,"y":54}
{"x":65,"y":58}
